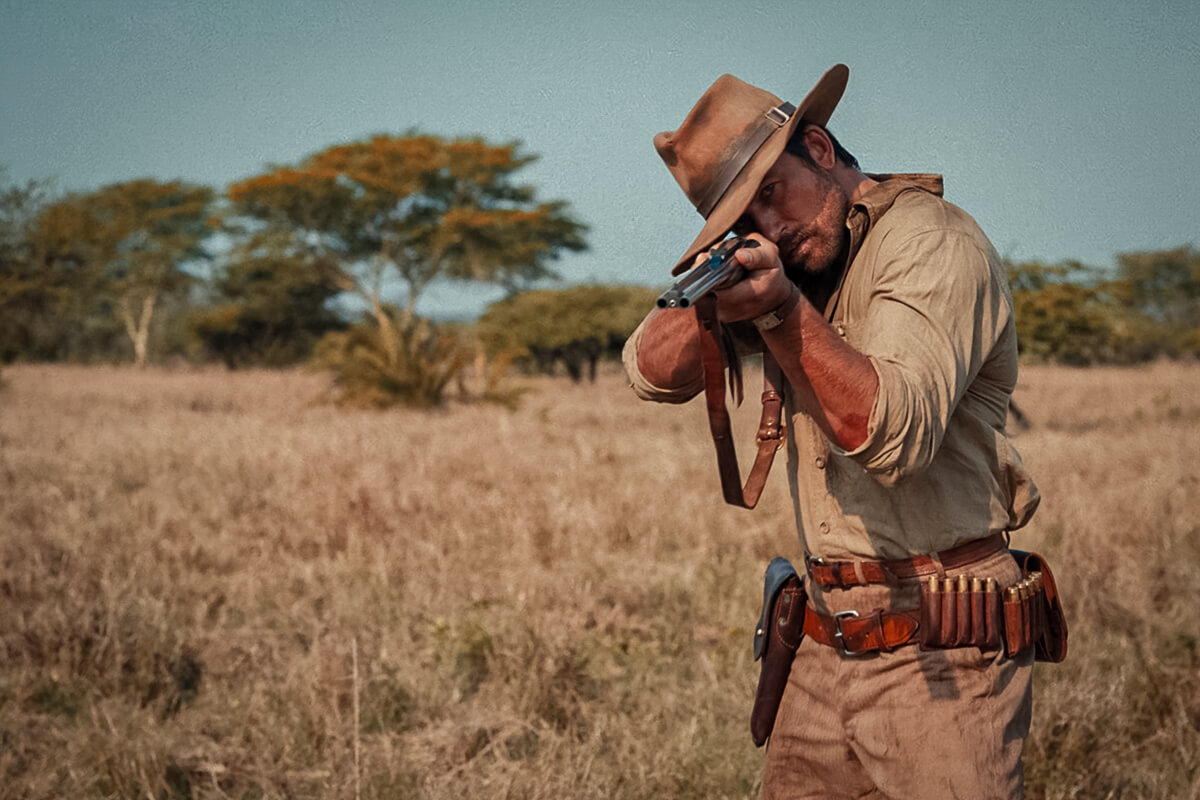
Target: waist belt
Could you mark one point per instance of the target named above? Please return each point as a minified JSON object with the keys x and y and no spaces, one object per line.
{"x":857,"y":634}
{"x":844,"y":574}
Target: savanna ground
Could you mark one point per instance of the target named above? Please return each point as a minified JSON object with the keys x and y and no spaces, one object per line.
{"x":213,"y":585}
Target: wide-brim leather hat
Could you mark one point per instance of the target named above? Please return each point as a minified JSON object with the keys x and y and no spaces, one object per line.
{"x":729,"y":141}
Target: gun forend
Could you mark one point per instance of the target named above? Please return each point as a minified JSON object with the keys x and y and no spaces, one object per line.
{"x":705,"y":276}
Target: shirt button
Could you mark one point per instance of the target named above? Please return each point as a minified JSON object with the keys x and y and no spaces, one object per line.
{"x":841,"y":330}
{"x":824,"y":526}
{"x":820,"y":462}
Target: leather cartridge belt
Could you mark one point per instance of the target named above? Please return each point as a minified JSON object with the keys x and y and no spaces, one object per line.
{"x":962,"y":611}
{"x":856,"y":634}
{"x":844,"y":574}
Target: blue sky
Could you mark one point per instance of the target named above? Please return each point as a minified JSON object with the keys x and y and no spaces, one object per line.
{"x":1069,"y":129}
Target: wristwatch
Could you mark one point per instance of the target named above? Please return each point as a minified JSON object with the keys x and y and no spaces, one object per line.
{"x":775,"y":317}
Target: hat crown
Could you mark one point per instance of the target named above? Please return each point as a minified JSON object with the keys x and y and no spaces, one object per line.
{"x":717,"y":129}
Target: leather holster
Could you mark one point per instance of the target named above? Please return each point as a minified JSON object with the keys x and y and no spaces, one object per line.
{"x":776,"y":637}
{"x":1045,"y":619}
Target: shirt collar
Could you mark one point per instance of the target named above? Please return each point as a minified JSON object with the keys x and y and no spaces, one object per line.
{"x":873,"y":205}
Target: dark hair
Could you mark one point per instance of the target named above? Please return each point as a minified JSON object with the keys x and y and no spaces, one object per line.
{"x":798,"y":148}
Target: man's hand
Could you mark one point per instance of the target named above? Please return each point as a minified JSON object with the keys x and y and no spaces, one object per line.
{"x":764,"y":287}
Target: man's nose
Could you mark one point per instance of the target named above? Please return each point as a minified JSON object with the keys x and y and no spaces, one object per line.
{"x":770,"y":226}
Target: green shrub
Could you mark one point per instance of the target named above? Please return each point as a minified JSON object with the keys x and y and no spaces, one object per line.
{"x":405,"y":361}
{"x":552,"y":317}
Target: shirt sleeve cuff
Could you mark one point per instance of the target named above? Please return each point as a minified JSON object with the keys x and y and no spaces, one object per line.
{"x":874,"y":453}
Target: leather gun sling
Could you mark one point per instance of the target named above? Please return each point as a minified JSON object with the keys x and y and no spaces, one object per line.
{"x":770,"y":429}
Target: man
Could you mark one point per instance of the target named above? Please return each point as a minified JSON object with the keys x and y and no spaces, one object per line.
{"x":889,"y":313}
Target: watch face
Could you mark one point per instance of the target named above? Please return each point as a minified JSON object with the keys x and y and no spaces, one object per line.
{"x":767,"y":321}
{"x":775,"y":317}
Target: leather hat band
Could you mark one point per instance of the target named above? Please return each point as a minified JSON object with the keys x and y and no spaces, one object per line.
{"x":774,"y":119}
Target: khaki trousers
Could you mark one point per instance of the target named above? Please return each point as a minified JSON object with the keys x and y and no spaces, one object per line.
{"x":906,"y":724}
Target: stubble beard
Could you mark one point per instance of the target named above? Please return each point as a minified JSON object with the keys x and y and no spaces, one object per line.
{"x":818,"y":271}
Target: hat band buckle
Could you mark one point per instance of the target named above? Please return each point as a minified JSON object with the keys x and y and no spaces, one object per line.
{"x":777,"y":117}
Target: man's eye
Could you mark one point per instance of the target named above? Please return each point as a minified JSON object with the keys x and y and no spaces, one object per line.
{"x":765,"y":192}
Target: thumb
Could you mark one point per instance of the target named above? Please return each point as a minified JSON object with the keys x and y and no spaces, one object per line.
{"x":757,"y":254}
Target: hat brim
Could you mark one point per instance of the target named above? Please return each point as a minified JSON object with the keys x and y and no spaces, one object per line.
{"x":816,"y":107}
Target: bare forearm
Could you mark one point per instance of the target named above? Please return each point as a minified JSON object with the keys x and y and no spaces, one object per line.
{"x":832,"y":382}
{"x":668,"y":355}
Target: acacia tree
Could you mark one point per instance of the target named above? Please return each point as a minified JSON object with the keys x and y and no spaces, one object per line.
{"x":1164,"y":287}
{"x":270,"y":303}
{"x":53,"y":302}
{"x":121,"y":247}
{"x":20,"y":290}
{"x":554,"y":317}
{"x":1061,"y":316}
{"x":420,"y":208}
{"x":1075,"y":314}
{"x":150,"y":229}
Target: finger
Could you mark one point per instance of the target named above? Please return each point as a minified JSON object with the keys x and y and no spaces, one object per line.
{"x":746,"y":256}
{"x":757,"y":254}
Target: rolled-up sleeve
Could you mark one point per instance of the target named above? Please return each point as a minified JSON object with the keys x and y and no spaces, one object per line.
{"x":937,"y":309}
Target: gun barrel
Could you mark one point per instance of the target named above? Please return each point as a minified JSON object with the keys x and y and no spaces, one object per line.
{"x":706,"y":276}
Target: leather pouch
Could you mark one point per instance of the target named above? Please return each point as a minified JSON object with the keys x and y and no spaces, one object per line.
{"x":1047,"y":623}
{"x":776,"y":638}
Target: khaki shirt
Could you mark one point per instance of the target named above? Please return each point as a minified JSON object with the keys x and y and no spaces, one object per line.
{"x":926,"y":298}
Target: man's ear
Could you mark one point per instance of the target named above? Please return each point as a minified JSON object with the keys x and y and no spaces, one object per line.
{"x":820,"y":147}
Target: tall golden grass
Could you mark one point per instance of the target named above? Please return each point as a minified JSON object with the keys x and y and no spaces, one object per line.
{"x":214,"y":585}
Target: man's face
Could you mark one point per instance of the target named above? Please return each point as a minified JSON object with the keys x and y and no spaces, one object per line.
{"x":803,"y":211}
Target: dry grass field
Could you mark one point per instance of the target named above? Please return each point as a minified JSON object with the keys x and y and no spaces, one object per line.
{"x":212,"y":585}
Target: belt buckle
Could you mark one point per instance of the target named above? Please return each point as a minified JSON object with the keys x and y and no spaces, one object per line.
{"x":841,"y":640}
